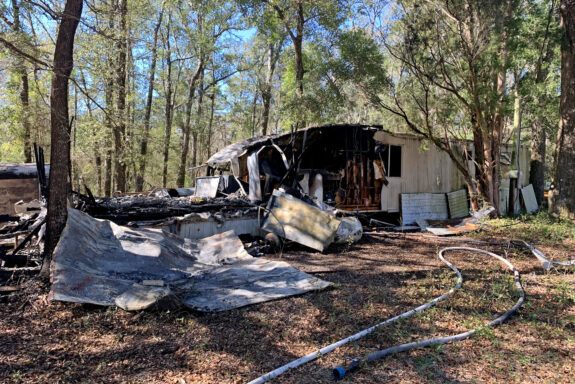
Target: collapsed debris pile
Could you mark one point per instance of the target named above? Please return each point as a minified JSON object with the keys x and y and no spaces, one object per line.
{"x":17,"y":234}
{"x":123,"y":210}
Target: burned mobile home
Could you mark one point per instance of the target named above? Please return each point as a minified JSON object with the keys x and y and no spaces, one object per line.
{"x":350,"y":166}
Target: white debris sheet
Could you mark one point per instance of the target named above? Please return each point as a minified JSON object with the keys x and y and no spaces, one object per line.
{"x":99,"y":262}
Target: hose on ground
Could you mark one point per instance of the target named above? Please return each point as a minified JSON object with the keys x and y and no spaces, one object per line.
{"x":339,"y":372}
{"x":545,"y":263}
{"x":325,"y":350}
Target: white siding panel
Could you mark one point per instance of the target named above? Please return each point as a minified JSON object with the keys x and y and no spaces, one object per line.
{"x":529,"y":199}
{"x":210,"y":227}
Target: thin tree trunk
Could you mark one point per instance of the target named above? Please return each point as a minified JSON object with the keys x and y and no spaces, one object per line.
{"x":254,"y":106}
{"x":148,"y":113}
{"x":480,"y":162}
{"x":210,"y":125}
{"x":60,"y":127}
{"x":130,"y":142}
{"x":198,"y":121}
{"x":537,"y":162}
{"x":188,"y":125}
{"x":109,"y":98}
{"x":24,"y":92}
{"x":120,"y":126}
{"x":24,"y":100}
{"x":267,"y":89}
{"x":74,"y":174}
{"x":169,"y":107}
{"x":194,"y":148}
{"x":297,"y":41}
{"x":562,"y":193}
{"x":95,"y":136}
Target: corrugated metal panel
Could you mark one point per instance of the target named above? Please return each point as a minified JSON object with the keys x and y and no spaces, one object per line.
{"x":457,"y":202}
{"x":529,"y":199}
{"x":426,"y":206}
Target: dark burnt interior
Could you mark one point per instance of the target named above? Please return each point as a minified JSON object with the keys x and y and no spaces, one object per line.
{"x":344,"y":155}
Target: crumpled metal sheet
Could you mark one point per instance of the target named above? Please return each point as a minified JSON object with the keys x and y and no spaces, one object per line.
{"x":295,"y":220}
{"x":99,"y":262}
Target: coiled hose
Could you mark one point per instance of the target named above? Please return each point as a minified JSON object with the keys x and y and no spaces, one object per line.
{"x":340,"y":372}
{"x":404,"y":347}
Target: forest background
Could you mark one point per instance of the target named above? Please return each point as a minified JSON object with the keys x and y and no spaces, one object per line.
{"x":159,"y":86}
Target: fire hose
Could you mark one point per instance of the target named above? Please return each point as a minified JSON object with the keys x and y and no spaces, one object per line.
{"x":339,"y":372}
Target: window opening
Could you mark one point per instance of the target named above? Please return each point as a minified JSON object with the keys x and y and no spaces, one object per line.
{"x":391,"y":157}
{"x":395,"y":161}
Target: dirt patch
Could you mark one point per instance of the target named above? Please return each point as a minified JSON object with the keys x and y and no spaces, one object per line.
{"x":42,"y":341}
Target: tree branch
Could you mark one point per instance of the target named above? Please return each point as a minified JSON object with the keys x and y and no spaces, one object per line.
{"x":23,"y":54}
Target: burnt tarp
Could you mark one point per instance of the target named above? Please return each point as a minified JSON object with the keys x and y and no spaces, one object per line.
{"x":99,"y":262}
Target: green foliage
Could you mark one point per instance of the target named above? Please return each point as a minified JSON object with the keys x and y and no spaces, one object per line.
{"x":542,"y":228}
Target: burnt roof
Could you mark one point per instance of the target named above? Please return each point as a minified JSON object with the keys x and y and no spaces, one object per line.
{"x":238,"y":149}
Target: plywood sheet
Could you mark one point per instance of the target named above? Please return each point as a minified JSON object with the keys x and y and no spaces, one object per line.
{"x":297,"y":221}
{"x":423,"y":206}
{"x":99,"y":262}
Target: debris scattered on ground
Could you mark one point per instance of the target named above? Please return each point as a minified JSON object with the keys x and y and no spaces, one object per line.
{"x":350,"y":230}
{"x":447,"y":228}
{"x":377,"y":277}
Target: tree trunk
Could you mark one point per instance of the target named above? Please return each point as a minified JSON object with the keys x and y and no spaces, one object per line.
{"x":267,"y":89}
{"x":210,"y":124}
{"x":254,"y":121}
{"x":24,"y":93}
{"x":120,"y":126}
{"x":197,"y":129}
{"x":298,"y":49}
{"x":169,"y":108}
{"x":148,"y":113}
{"x":538,"y":129}
{"x":480,"y":161}
{"x":97,"y":142}
{"x":562,"y":193}
{"x":24,"y":100}
{"x":188,"y":125}
{"x":109,"y":123}
{"x":60,"y":127}
{"x":194,"y":148}
{"x":130,"y":141}
{"x":298,"y":43}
